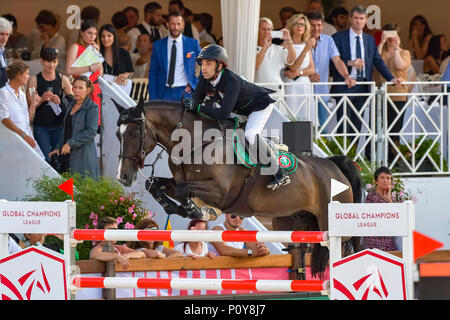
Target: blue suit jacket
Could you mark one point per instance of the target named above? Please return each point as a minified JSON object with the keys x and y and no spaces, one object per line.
{"x":371,"y":58}
{"x":159,"y":63}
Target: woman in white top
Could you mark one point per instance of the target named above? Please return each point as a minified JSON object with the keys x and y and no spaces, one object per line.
{"x":14,"y":112}
{"x":272,"y":58}
{"x":195,"y":249}
{"x":298,"y":73}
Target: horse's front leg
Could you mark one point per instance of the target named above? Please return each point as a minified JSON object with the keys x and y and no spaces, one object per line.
{"x":159,"y":188}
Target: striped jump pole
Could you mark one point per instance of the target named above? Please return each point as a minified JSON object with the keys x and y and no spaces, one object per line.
{"x":203,"y":284}
{"x":200,"y":235}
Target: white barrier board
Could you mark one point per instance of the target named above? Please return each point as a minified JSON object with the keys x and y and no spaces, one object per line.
{"x":34,"y":217}
{"x":368,"y":219}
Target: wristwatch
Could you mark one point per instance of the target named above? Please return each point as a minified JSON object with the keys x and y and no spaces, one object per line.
{"x":301,"y":72}
{"x":249,"y":252}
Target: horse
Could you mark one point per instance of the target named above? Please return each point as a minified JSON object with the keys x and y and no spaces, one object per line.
{"x":301,"y":205}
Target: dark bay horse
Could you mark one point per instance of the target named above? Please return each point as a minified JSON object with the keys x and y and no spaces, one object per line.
{"x":301,"y":205}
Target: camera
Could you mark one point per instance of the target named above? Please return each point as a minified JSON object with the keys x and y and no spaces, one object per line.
{"x":276,"y":34}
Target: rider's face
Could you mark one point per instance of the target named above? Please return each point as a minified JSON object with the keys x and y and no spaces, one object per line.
{"x":209,"y":69}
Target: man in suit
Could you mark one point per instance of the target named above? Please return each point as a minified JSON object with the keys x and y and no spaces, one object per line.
{"x":152,"y":25}
{"x":5,"y":32}
{"x":360,"y":55}
{"x":172,"y":65}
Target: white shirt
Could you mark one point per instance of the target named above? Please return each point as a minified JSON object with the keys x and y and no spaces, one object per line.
{"x":188,"y":251}
{"x":180,"y":78}
{"x":16,"y":109}
{"x":353,"y":35}
{"x":3,"y":63}
{"x":270,"y":68}
{"x":135,"y":32}
{"x":13,"y":247}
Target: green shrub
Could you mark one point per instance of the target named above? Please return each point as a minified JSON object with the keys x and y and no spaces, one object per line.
{"x":94,"y":199}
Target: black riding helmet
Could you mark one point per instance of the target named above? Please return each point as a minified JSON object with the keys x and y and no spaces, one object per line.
{"x":213,"y":52}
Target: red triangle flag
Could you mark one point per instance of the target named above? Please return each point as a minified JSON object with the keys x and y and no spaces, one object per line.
{"x":67,"y":187}
{"x":424,"y":245}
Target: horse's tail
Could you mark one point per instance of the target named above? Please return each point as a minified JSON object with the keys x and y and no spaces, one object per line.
{"x":352,"y":173}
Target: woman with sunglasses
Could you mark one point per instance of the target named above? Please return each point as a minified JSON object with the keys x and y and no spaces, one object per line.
{"x":152,"y":249}
{"x":236,"y":249}
{"x":50,"y":87}
{"x":298,"y":73}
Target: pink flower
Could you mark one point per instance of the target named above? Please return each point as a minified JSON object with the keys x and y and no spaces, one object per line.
{"x":119,"y":220}
{"x":86,"y":226}
{"x":102,"y":207}
{"x":121,"y":199}
{"x":131,"y":209}
{"x":93,"y":216}
{"x":129,"y":225}
{"x":134,"y":216}
{"x":94,"y":223}
{"x":115,"y":201}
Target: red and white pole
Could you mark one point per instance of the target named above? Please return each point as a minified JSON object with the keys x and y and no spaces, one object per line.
{"x":200,"y":235}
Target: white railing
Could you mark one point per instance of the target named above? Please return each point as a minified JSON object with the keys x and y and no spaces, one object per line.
{"x":422,"y":139}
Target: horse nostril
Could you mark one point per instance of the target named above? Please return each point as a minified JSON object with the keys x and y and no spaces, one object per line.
{"x":125,"y":177}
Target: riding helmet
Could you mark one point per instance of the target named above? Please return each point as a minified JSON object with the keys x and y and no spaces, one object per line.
{"x":214,"y":52}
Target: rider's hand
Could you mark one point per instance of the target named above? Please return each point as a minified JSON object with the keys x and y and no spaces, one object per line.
{"x":188,"y":104}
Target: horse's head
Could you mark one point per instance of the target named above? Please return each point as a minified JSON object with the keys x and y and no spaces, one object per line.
{"x":136,"y":142}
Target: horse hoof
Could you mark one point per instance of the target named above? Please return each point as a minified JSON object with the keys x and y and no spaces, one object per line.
{"x":209,"y":213}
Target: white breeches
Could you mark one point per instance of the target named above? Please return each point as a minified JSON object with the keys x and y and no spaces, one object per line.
{"x":256,"y":122}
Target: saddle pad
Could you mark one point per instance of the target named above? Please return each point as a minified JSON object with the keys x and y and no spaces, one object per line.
{"x":287,"y":161}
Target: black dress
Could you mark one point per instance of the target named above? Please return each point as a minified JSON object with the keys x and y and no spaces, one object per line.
{"x":121,"y":65}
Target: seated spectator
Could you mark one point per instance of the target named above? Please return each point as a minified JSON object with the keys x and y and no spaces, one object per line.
{"x":121,"y":253}
{"x":87,"y":13}
{"x":398,"y":61}
{"x":17,"y":41}
{"x":46,"y":35}
{"x":381,"y":194}
{"x":237,"y":249}
{"x":339,"y":18}
{"x":152,"y":249}
{"x":13,"y":246}
{"x":14,"y":112}
{"x":47,"y":116}
{"x":446,"y":77}
{"x":152,"y":24}
{"x":188,"y":16}
{"x":195,"y":249}
{"x":117,"y":60}
{"x":437,"y":52}
{"x":271,"y":58}
{"x":120,"y":22}
{"x":419,"y":36}
{"x":141,"y":59}
{"x":80,"y":122}
{"x":5,"y":31}
{"x":205,"y":38}
{"x":132,"y":15}
{"x":316,"y":5}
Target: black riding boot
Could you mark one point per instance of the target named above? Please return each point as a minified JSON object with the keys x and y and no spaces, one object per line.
{"x":280,"y":177}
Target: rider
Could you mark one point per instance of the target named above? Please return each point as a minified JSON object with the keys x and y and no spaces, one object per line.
{"x":221,"y":92}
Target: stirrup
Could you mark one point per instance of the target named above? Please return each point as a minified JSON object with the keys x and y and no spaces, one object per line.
{"x":279,"y":182}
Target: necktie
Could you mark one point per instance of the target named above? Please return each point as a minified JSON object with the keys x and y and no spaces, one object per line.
{"x":173,"y":58}
{"x":358,"y":55}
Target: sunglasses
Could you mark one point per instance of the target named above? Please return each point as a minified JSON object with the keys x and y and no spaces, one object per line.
{"x":234,"y":217}
{"x":299,"y":25}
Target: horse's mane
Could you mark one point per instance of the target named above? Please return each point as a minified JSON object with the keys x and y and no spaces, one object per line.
{"x":163,"y":104}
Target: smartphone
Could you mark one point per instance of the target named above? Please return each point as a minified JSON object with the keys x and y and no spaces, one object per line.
{"x":390,"y":34}
{"x":276,"y":34}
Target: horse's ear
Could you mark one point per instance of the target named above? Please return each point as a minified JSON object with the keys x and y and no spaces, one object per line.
{"x":139,"y":109}
{"x":118,"y":106}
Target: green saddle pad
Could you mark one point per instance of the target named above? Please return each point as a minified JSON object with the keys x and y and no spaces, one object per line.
{"x":287,"y":161}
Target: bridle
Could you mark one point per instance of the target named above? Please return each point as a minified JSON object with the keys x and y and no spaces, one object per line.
{"x":139,"y":157}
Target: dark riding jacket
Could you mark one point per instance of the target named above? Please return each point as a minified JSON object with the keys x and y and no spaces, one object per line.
{"x":231,"y":94}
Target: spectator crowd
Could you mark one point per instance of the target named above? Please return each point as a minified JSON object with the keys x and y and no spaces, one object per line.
{"x":59,"y":112}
